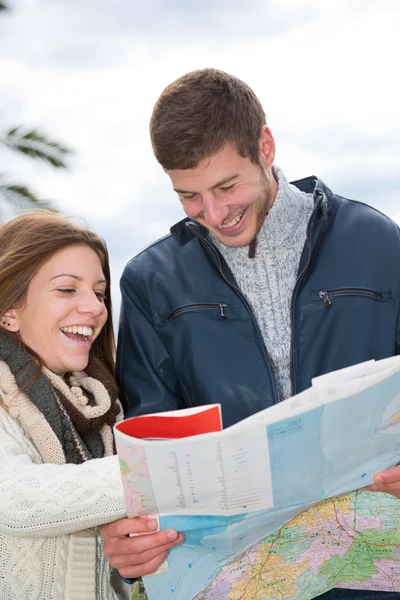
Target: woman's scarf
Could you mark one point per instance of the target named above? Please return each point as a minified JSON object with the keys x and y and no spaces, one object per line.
{"x":69,"y":419}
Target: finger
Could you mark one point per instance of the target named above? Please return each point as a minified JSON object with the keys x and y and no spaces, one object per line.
{"x":371,"y":488}
{"x":389,"y":476}
{"x":138,"y":544}
{"x":124,"y":560}
{"x":384,"y":487}
{"x":142,"y":570}
{"x":126,"y":526}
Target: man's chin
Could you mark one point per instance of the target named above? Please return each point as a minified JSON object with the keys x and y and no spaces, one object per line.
{"x":237,"y":241}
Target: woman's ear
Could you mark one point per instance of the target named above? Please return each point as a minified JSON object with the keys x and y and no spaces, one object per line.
{"x":9,"y":321}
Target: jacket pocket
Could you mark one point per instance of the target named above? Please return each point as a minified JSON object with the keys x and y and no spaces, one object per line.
{"x":222,"y":309}
{"x":330,"y":295}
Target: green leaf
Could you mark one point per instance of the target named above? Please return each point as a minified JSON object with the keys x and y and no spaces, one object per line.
{"x":21,"y":197}
{"x":36,"y":145}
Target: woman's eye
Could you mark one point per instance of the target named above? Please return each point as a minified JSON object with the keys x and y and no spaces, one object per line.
{"x":101,"y":296}
{"x":65,"y":290}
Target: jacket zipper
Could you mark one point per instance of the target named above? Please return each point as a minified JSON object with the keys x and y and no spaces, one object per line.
{"x":247,"y":305}
{"x":296,"y":285}
{"x":328,"y":294}
{"x":223,"y":309}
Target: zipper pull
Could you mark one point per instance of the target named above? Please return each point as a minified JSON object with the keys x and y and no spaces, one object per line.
{"x":223,"y":308}
{"x":327,"y":301}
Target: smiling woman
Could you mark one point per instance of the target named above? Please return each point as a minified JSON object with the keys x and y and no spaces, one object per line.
{"x":58,"y":403}
{"x":64,"y":309}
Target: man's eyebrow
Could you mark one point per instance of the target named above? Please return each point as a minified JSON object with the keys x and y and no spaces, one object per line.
{"x":226,"y":180}
{"x":75,"y":277}
{"x":217,"y":185}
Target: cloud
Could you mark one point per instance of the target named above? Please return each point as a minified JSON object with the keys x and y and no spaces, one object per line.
{"x":96,"y":31}
{"x":90,"y":72}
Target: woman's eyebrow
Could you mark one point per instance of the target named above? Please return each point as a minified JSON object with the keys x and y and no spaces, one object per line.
{"x":75,"y":277}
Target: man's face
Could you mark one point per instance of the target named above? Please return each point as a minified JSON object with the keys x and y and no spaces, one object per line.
{"x":227,"y":194}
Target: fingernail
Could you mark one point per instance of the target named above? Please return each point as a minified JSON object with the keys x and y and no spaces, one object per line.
{"x":378,"y":479}
{"x":151,"y":524}
{"x":172,"y":535}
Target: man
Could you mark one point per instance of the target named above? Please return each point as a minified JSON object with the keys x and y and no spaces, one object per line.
{"x":265,"y":285}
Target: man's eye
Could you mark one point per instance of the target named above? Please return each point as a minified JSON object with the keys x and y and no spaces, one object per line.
{"x":226,"y":188}
{"x":190,"y":197}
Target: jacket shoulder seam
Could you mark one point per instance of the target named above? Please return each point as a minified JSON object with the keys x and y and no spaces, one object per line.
{"x":159,"y":241}
{"x":373,"y":208}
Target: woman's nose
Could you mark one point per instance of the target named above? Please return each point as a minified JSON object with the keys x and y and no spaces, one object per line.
{"x":91,"y":304}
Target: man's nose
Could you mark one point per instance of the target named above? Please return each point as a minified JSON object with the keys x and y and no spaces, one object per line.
{"x":214,"y":210}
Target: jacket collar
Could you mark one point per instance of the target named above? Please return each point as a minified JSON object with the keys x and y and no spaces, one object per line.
{"x":183,"y":234}
{"x":310,"y":185}
{"x":320,"y":191}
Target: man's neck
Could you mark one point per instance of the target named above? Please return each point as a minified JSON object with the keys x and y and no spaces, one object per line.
{"x":272,"y":183}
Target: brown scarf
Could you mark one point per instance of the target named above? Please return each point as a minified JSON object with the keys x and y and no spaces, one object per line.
{"x":78,"y":409}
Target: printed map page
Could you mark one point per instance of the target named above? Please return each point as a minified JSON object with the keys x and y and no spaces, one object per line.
{"x":352,"y":541}
{"x":261,"y":503}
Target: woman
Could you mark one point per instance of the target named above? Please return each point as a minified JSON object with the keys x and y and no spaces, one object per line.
{"x":59,"y":477}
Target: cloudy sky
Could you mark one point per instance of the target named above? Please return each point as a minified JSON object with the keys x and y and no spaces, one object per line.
{"x":88,"y":72}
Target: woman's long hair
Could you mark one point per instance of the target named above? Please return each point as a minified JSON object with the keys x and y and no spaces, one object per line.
{"x":26,"y":244}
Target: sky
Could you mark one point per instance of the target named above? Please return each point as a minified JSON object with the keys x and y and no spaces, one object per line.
{"x":88,"y":73}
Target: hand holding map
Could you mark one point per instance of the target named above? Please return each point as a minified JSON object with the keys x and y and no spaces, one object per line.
{"x":387,"y":481}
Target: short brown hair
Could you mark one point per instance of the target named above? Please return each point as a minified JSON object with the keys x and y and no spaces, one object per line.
{"x":26,"y":244}
{"x":201,"y":112}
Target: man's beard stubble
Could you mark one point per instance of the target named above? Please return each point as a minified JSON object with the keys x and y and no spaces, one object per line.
{"x":263,"y":205}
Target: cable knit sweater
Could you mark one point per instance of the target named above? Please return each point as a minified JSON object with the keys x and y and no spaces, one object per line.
{"x":268,"y":279}
{"x":46,"y":550}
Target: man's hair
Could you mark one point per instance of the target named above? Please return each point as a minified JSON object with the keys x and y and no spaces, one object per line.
{"x":26,"y":244}
{"x":201,"y":112}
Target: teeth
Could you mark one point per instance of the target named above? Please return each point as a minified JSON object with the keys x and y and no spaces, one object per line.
{"x":86,"y":331}
{"x":233,"y":221}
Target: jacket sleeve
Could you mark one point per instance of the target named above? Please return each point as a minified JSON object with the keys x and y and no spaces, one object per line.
{"x":49,"y":499}
{"x":146,"y":374}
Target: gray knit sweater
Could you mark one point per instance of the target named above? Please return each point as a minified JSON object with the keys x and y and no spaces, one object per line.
{"x":268,"y":279}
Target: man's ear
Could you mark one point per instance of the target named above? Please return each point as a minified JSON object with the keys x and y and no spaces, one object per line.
{"x":10,"y":321}
{"x":267,"y":147}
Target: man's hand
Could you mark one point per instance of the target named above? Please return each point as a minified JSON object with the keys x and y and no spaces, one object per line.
{"x":387,"y":481}
{"x":141,"y":554}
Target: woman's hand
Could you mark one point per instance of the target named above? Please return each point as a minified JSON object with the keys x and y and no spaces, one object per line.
{"x":140,"y":554}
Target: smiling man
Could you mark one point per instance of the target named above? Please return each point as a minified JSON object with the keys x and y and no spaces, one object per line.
{"x":229,"y":194}
{"x":264,"y":286}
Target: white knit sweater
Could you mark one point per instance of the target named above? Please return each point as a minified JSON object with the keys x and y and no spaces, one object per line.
{"x":43,"y":507}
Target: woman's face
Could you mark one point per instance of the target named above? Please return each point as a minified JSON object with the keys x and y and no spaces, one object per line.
{"x":64,"y":309}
